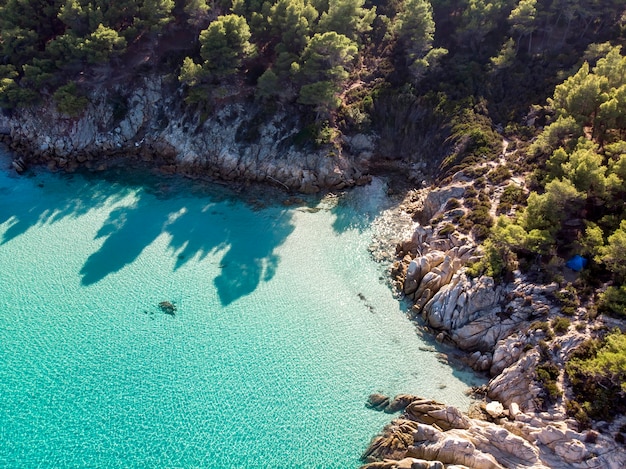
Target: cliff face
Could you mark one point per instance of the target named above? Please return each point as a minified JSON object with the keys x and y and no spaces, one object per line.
{"x":237,"y":140}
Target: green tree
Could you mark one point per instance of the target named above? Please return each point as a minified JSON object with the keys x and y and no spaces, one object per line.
{"x":76,"y":16}
{"x":522,"y":20}
{"x":191,"y":73}
{"x":292,"y":21}
{"x":11,"y":93}
{"x":592,"y":240}
{"x":478,"y":19}
{"x":558,"y":133}
{"x":102,"y":44}
{"x":614,"y":253}
{"x":322,"y":96}
{"x":415,"y":28}
{"x":347,"y":17}
{"x":613,"y":67}
{"x":153,"y":15}
{"x":225,"y":44}
{"x":327,"y":57}
{"x":267,"y":85}
{"x":322,"y":68}
{"x":585,"y":170}
{"x":506,"y":56}
{"x":546,"y":212}
{"x":196,"y":10}
{"x":580,"y":95}
{"x":70,"y":100}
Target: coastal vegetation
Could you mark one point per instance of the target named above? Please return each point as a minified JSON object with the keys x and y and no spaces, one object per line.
{"x":519,"y":97}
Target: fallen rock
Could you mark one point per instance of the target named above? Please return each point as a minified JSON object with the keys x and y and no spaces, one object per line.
{"x":495,"y":409}
{"x":377,"y":401}
{"x":400,"y":402}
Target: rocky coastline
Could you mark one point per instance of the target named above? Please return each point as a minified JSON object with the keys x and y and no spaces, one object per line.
{"x":497,"y":327}
{"x":239,"y":141}
{"x":500,"y":330}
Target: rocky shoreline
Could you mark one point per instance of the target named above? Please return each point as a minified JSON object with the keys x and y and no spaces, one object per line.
{"x":240,"y":141}
{"x":500,"y":329}
{"x":431,"y":435}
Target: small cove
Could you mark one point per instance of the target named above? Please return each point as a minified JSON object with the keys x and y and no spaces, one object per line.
{"x":284,"y":326}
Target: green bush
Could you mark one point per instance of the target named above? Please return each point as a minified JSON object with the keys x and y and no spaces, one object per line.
{"x":69,"y":100}
{"x":568,"y":300}
{"x":511,"y":196}
{"x":547,"y":374}
{"x":474,"y":172}
{"x":436,"y":220}
{"x":452,"y":204}
{"x":613,"y":301}
{"x":560,"y":325}
{"x":499,"y":174}
{"x":597,"y":371}
{"x":447,"y":229}
{"x":543,"y":326}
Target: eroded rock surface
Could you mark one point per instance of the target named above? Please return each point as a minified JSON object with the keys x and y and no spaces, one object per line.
{"x":430,"y":434}
{"x":237,"y":142}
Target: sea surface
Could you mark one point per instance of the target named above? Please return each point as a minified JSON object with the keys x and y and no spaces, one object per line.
{"x":284,"y":324}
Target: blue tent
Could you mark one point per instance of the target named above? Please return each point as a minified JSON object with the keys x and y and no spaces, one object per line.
{"x":576,"y":263}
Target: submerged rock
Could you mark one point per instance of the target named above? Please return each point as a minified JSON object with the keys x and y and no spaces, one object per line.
{"x":167,"y":307}
{"x":377,"y":401}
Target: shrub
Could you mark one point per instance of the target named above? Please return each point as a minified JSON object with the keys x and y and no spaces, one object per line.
{"x":436,"y":220}
{"x":560,"y":325}
{"x":568,"y":299}
{"x":547,"y":374}
{"x":545,"y":327}
{"x":480,"y":182}
{"x":613,"y":301}
{"x":511,"y":196}
{"x":452,"y":204}
{"x":480,"y":232}
{"x":447,"y":229}
{"x":474,"y":172}
{"x":69,"y":100}
{"x":499,"y":174}
{"x":597,"y":371}
{"x":574,"y":409}
{"x":470,"y":192}
{"x":470,"y":201}
{"x":495,"y":262}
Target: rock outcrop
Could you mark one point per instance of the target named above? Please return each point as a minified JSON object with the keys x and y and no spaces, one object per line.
{"x":237,"y":142}
{"x":432,"y":435}
{"x":505,"y":330}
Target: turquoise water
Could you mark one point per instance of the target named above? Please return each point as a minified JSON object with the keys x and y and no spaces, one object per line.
{"x":283,"y":327}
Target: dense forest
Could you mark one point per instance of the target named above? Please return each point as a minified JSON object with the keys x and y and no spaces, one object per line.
{"x":444,"y":78}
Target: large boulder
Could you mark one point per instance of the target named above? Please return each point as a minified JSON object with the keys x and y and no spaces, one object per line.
{"x":436,"y":199}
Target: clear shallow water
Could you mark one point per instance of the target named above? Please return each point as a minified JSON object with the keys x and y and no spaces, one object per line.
{"x":283,"y":327}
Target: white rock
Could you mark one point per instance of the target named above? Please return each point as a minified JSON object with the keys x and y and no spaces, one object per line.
{"x":495,"y":409}
{"x":572,"y":451}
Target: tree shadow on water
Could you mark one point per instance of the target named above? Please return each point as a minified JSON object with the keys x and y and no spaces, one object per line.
{"x":248,"y":238}
{"x":127,"y":232}
{"x":36,"y":201}
{"x":196,"y":226}
{"x":196,"y":229}
{"x":249,"y":260}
